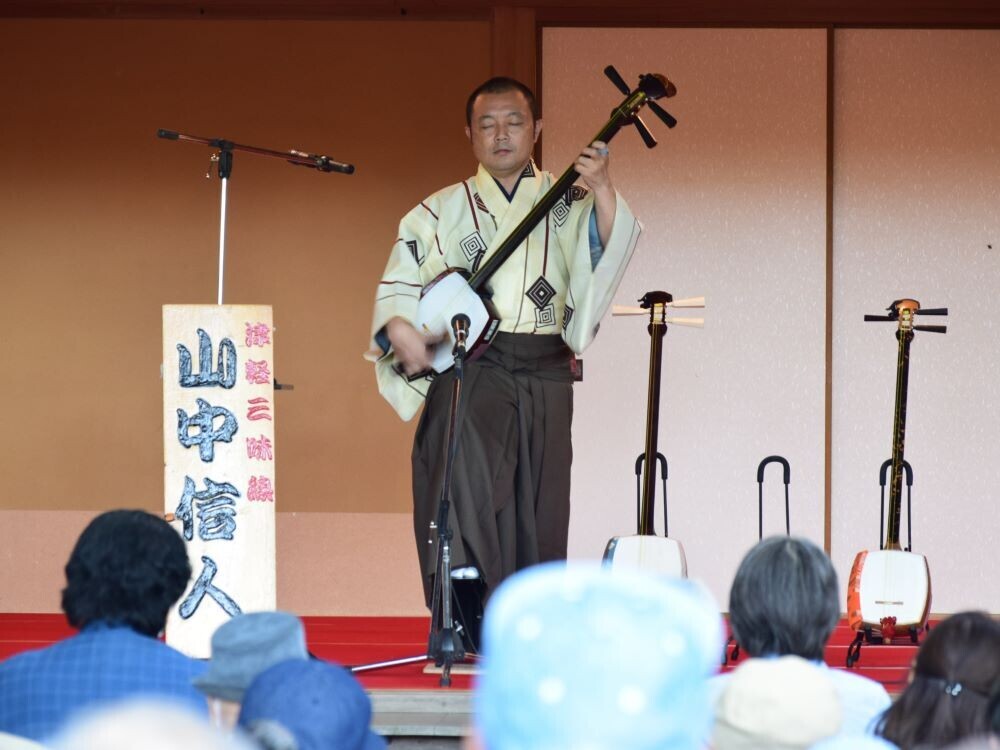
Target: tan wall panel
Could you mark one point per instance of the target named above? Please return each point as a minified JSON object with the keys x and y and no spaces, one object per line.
{"x":917,"y":207}
{"x":348,"y":564}
{"x":102,"y":223}
{"x":325,"y":565}
{"x":733,"y":204}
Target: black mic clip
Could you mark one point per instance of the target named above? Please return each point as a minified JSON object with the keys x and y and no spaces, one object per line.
{"x":321,"y":163}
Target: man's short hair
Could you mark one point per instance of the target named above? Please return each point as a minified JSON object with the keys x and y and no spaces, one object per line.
{"x":784,"y":599}
{"x":500,"y":85}
{"x":128,"y":568}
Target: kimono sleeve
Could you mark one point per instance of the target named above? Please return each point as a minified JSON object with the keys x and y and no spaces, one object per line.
{"x":398,"y":292}
{"x":398,"y":295}
{"x":591,"y":288}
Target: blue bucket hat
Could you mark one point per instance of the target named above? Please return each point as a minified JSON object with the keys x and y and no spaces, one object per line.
{"x":245,"y":646}
{"x":579,"y":656}
{"x":320,"y":704}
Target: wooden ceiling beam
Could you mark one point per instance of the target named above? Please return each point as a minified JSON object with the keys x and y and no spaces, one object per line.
{"x":514,"y":44}
{"x":766,"y":13}
{"x":250,"y":9}
{"x":779,"y":13}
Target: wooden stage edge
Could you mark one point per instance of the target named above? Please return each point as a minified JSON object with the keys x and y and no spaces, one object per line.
{"x":365,"y":640}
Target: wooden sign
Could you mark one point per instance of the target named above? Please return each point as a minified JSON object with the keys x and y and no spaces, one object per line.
{"x":218,"y":456}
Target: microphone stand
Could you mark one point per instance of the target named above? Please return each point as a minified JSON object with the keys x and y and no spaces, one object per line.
{"x":224,"y":161}
{"x":444,"y":644}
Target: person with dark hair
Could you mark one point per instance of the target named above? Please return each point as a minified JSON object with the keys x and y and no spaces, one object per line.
{"x":127,"y":569}
{"x":510,"y":490}
{"x":990,"y":740}
{"x":785,"y":601}
{"x":948,"y":697}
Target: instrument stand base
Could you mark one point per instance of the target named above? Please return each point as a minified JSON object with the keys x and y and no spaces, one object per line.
{"x":867,"y":635}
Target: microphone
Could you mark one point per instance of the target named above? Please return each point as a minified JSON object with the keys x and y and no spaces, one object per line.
{"x":460,"y":327}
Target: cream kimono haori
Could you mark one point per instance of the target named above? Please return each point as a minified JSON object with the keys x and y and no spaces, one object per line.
{"x":555,"y":282}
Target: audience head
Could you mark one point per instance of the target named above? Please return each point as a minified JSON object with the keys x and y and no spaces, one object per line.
{"x":948,"y":697}
{"x":242,"y":648}
{"x":145,"y":724}
{"x":785,"y":703}
{"x":979,"y":742}
{"x":784,"y":599}
{"x":580,"y":656}
{"x":308,"y":705}
{"x":128,"y":568}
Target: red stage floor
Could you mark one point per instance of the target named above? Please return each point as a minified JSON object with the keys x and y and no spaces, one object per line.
{"x":362,"y":640}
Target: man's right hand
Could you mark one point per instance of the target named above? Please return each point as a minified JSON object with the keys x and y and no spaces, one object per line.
{"x":413,"y":349}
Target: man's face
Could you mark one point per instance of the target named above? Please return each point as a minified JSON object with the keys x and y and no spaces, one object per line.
{"x":503,"y":132}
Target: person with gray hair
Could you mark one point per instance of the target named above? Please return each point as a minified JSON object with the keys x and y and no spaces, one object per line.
{"x":785,"y":600}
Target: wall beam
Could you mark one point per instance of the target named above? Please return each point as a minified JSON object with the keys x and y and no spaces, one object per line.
{"x":768,"y":13}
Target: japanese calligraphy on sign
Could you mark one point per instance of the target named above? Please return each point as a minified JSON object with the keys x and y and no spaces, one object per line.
{"x":218,"y":455}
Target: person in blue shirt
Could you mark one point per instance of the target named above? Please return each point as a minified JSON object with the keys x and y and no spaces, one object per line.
{"x":125,"y":572}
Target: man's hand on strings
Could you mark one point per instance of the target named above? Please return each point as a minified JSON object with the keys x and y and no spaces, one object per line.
{"x":413,"y":349}
{"x":592,"y":166}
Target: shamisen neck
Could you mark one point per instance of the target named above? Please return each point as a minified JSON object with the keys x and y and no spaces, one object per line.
{"x":905,"y":309}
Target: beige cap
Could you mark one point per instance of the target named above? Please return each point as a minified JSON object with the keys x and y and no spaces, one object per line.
{"x":776,"y":704}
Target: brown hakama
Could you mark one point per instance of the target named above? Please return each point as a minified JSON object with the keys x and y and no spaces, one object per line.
{"x":510,"y":491}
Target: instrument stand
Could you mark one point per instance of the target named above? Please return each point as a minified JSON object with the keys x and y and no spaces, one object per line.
{"x":786,"y":473}
{"x":645,"y":550}
{"x":640,"y":461}
{"x":908,"y":473}
{"x":867,"y":635}
{"x":444,"y":642}
{"x":874,"y":629}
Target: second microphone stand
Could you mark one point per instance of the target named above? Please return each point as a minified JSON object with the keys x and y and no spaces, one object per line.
{"x":224,"y":161}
